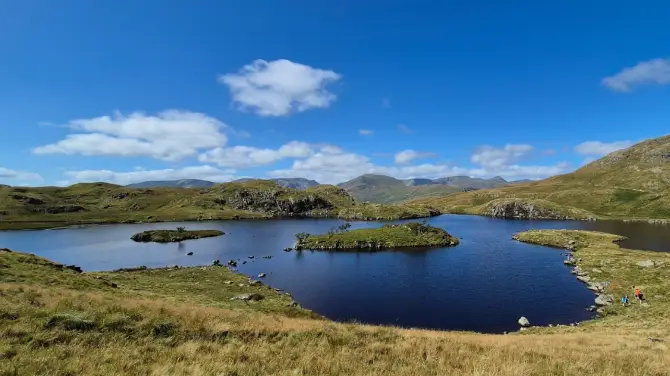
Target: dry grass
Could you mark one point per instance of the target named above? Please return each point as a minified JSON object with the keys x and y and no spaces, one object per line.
{"x":54,"y":321}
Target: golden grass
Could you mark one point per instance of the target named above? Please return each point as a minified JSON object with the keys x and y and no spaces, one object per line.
{"x":181,"y":322}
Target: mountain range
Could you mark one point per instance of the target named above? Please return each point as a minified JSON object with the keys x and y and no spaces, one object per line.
{"x":295,"y":183}
{"x":372,"y":188}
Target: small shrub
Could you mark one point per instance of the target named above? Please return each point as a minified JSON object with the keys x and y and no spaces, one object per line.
{"x":69,"y":322}
{"x":301,"y":236}
{"x":164,"y":329}
{"x":118,"y":323}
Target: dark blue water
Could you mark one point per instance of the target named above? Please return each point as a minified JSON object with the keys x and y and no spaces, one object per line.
{"x":485,"y":284}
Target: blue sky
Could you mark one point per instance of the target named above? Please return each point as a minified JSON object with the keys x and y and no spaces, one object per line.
{"x":126,"y":91}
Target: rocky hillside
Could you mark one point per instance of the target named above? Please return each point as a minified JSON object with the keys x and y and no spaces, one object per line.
{"x":108,"y":203}
{"x":631,"y":183}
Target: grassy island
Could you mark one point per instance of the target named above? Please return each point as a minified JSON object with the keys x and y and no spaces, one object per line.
{"x":388,"y":236}
{"x":169,"y":236}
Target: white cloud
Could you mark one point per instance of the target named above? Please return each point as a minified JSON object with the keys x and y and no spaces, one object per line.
{"x":248,"y":156}
{"x":404,"y":129}
{"x":333,"y":165}
{"x":169,"y":135}
{"x":280,"y":87}
{"x":365,"y":132}
{"x":406,"y":156}
{"x":656,"y":71}
{"x":491,"y":157}
{"x":125,"y":178}
{"x":11,"y":176}
{"x":597,"y":148}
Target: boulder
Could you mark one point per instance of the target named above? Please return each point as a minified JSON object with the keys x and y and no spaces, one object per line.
{"x":583,"y":278}
{"x":523,"y":322}
{"x":255,"y":283}
{"x":232,"y":263}
{"x":74,"y":268}
{"x":247,"y":297}
{"x":216,"y":262}
{"x":251,"y":257}
{"x":289,"y":249}
{"x":646,"y":263}
{"x":228,"y":282}
{"x":592,"y":308}
{"x":262,"y":275}
{"x":572,"y":242}
{"x":604,"y":300}
{"x":189,"y":254}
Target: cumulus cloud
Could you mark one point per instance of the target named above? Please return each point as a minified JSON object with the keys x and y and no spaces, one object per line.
{"x":407,"y":156}
{"x":405,"y":129}
{"x":365,"y":132}
{"x":656,"y":71}
{"x":10,"y":176}
{"x":248,"y":156}
{"x":332,"y":165}
{"x":491,"y":157}
{"x":138,"y":175}
{"x":598,"y":148}
{"x":280,"y":87}
{"x":169,"y":135}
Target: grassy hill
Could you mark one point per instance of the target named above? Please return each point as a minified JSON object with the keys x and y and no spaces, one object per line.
{"x":385,"y":189}
{"x":630,"y":183}
{"x":108,"y":203}
{"x":182,"y":321}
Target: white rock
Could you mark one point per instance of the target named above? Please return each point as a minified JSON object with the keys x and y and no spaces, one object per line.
{"x":523,"y":321}
{"x":646,"y":263}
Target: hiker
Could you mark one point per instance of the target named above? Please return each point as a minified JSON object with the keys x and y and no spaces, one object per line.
{"x":638,"y":294}
{"x":624,"y":300}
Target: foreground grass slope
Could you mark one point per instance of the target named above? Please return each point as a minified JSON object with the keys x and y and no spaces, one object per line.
{"x":182,"y":322}
{"x":107,"y":203}
{"x":631,"y":183}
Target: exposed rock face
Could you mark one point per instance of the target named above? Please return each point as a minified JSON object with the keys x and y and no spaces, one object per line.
{"x":522,"y":210}
{"x":272,"y":200}
{"x":247,"y":297}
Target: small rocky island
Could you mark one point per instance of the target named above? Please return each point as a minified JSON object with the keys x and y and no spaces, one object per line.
{"x":407,"y":235}
{"x":169,"y":236}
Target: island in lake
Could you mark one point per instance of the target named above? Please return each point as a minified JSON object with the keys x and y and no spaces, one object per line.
{"x":169,"y":236}
{"x":406,"y":235}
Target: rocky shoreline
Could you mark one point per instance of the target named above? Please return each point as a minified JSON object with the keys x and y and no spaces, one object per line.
{"x":602,"y":299}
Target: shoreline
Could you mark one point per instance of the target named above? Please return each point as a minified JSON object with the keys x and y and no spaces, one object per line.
{"x":62,"y":225}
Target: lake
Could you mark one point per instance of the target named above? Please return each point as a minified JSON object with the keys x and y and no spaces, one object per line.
{"x":484,"y":284}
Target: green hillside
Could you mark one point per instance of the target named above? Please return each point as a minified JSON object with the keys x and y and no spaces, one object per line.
{"x":630,"y":183}
{"x":385,"y":189}
{"x":108,"y":203}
